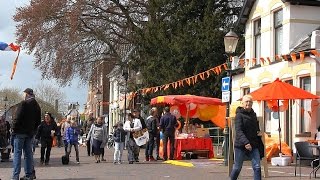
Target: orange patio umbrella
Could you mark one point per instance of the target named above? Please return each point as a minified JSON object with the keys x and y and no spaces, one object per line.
{"x":279,"y":90}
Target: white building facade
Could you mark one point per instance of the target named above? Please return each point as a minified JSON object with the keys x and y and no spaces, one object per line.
{"x":274,"y":28}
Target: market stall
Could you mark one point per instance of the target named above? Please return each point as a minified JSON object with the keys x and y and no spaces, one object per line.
{"x":190,"y":106}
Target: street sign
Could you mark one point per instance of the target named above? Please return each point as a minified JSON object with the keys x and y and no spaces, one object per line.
{"x":225,"y":84}
{"x":225,"y":96}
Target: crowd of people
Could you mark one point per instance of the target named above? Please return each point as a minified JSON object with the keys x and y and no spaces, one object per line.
{"x":30,"y":129}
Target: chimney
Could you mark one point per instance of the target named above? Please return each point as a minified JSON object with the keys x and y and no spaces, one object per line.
{"x":315,"y":39}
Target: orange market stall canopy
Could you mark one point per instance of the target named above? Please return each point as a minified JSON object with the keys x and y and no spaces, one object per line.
{"x":191,"y":106}
{"x":278,"y":91}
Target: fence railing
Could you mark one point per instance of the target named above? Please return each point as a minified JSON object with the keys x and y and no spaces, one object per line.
{"x":217,"y":136}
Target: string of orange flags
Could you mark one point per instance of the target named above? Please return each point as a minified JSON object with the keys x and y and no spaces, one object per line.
{"x":292,"y":57}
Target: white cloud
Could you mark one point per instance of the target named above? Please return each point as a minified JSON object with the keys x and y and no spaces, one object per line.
{"x":26,"y":75}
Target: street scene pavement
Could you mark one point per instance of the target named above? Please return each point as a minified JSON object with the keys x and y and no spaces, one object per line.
{"x":195,"y":169}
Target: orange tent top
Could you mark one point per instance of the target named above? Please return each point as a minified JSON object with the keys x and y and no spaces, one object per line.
{"x":185,"y":99}
{"x":279,"y":90}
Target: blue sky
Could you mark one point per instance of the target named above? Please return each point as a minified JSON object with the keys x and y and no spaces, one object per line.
{"x":26,"y":75}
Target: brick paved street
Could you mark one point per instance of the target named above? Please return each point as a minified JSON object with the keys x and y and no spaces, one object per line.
{"x":88,"y":169}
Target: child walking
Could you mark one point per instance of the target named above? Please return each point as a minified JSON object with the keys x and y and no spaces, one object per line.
{"x":72,"y":134}
{"x":119,"y":137}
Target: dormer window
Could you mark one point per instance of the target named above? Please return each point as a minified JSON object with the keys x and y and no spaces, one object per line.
{"x":257,"y":40}
{"x":278,"y":31}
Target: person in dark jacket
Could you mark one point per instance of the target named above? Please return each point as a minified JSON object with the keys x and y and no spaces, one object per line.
{"x":24,"y":126}
{"x":119,"y":137}
{"x":168,"y":122}
{"x":45,"y":134}
{"x":246,"y":139}
{"x":72,"y":134}
{"x":153,"y":130}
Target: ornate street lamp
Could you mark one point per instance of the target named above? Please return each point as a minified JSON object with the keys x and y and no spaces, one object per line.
{"x":98,"y":96}
{"x":230,"y":43}
{"x":139,"y":79}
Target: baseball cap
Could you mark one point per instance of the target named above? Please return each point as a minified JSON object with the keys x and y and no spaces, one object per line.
{"x":28,"y":91}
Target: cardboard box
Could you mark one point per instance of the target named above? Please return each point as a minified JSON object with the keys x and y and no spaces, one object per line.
{"x":202,"y":132}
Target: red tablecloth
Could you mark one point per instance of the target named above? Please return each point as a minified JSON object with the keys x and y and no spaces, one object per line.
{"x":193,"y":144}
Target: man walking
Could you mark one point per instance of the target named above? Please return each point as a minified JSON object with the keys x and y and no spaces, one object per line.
{"x":167,"y":125}
{"x":24,"y":126}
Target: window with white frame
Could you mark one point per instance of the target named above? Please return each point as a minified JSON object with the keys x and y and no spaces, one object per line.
{"x":257,"y":39}
{"x":245,"y":91}
{"x":305,"y":119}
{"x":278,"y":31}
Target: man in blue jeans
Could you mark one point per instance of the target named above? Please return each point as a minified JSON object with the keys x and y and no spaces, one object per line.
{"x":246,"y":141}
{"x":24,"y":126}
{"x":168,"y":122}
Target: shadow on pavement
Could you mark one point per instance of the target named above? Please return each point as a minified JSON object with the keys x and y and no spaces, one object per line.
{"x":71,"y":179}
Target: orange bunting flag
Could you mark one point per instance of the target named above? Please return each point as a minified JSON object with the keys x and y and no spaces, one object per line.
{"x":293,"y":57}
{"x":188,"y":81}
{"x":219,"y":68}
{"x":201,"y":76}
{"x":166,"y":87}
{"x":247,"y":62}
{"x":241,"y":62}
{"x":278,"y":58}
{"x":269,"y":60}
{"x":225,"y":67}
{"x":302,"y":55}
{"x":213,"y":70}
{"x":262,"y":60}
{"x":285,"y":57}
{"x":315,"y":52}
{"x":254,"y":61}
{"x":196,"y":78}
{"x":208,"y":73}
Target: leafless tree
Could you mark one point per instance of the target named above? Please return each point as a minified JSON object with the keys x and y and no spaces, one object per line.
{"x":69,"y":37}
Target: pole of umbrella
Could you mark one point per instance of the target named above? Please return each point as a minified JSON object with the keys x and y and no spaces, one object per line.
{"x":187,"y":118}
{"x":279,"y":128}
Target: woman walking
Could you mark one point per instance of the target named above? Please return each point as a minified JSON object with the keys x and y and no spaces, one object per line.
{"x":98,"y":137}
{"x":46,"y":132}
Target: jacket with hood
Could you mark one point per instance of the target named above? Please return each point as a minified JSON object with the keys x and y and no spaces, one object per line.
{"x":247,"y":127}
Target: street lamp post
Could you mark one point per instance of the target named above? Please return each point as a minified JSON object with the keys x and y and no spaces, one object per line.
{"x":139,"y":80}
{"x":125,"y":75}
{"x":99,"y":99}
{"x":230,"y":44}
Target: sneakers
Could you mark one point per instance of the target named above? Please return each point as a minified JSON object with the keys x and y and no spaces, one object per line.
{"x":103,"y":159}
{"x":78,"y":162}
{"x":159,"y":158}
